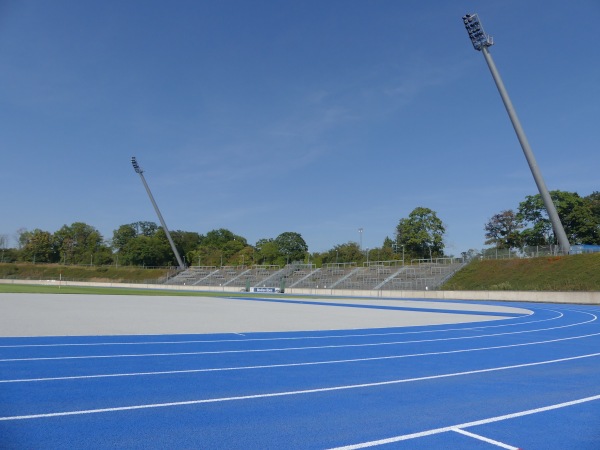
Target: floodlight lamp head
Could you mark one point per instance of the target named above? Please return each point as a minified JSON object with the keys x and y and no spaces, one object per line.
{"x":478,"y":37}
{"x":135,"y":165}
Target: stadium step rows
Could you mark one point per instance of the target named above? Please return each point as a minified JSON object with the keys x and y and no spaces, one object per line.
{"x":378,"y":275}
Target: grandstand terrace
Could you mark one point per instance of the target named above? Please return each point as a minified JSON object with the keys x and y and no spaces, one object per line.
{"x":375,"y":275}
{"x":326,"y":277}
{"x":233,"y":276}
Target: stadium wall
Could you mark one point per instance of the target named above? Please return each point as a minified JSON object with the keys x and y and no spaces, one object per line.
{"x":589,"y":298}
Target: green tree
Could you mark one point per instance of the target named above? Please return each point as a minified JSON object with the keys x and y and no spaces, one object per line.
{"x":594,"y":201}
{"x":344,"y":253}
{"x":78,"y":243}
{"x":38,"y":246}
{"x":267,"y":251}
{"x":122,"y":236}
{"x":577,"y":215}
{"x":388,"y":250}
{"x":131,"y":241}
{"x":422,"y":233}
{"x":205,"y":256}
{"x":583,"y":226}
{"x":244,"y":257}
{"x":147,"y":251}
{"x":388,"y":243}
{"x":218,"y":238}
{"x":186,"y":242}
{"x":145,"y":228}
{"x":169,"y":258}
{"x":231,"y":249}
{"x":291,"y":246}
{"x":23,"y":235}
{"x":6,"y":254}
{"x":220,"y":247}
{"x":503,"y":230}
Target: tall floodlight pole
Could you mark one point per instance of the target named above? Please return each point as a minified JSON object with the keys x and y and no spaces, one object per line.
{"x":481,"y":41}
{"x":139,"y":171}
{"x":360,"y":232}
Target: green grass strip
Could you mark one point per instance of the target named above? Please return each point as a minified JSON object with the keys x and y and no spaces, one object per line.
{"x":45,"y":289}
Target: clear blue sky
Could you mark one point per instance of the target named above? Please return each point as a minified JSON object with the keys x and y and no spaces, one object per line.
{"x":318,"y":117}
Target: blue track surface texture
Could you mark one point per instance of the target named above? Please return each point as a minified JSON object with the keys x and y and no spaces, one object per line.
{"x":530,"y":381}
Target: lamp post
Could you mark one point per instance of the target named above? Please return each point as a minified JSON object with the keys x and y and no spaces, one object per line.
{"x":360,"y":232}
{"x":481,"y":41}
{"x":140,"y":172}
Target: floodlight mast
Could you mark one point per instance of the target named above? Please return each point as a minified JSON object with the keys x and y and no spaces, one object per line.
{"x":139,"y":171}
{"x":481,"y":41}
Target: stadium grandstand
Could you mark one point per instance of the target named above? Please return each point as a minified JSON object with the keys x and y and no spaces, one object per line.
{"x":375,"y":275}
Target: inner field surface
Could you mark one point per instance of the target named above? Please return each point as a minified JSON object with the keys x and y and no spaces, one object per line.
{"x":57,"y":315}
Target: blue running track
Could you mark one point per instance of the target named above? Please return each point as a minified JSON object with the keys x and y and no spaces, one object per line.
{"x":524,"y":381}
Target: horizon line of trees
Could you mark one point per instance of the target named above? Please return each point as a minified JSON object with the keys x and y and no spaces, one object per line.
{"x":418,"y":236}
{"x":529,"y":224}
{"x":144,"y":243}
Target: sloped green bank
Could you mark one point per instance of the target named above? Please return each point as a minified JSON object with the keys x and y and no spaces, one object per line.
{"x":82,"y":273}
{"x":561,"y":273}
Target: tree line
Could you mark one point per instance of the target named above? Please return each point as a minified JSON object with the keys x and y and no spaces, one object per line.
{"x":420,"y":235}
{"x":529,"y":224}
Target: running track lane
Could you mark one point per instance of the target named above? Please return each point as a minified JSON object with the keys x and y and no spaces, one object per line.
{"x":527,"y":382}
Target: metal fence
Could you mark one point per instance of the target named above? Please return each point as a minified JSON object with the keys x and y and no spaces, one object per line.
{"x":533,"y":251}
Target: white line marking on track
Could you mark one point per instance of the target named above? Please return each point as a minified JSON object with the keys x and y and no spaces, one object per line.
{"x":268,"y":366}
{"x":298,"y":392}
{"x":406,"y":437}
{"x":322,"y":347}
{"x":293,"y":338}
{"x":484,"y":439}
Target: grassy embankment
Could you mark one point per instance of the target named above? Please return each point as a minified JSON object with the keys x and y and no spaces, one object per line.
{"x":58,"y":289}
{"x":568,"y":273}
{"x":82,"y":273}
{"x":565,"y":273}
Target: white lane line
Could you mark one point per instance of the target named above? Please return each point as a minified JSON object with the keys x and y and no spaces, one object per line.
{"x":293,"y":338}
{"x":320,"y":347}
{"x":406,"y":437}
{"x":343,"y":336}
{"x":289,"y":393}
{"x":484,"y":439}
{"x":275,"y":366}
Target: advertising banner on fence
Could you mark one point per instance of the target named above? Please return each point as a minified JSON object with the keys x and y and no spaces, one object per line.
{"x":265,"y":290}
